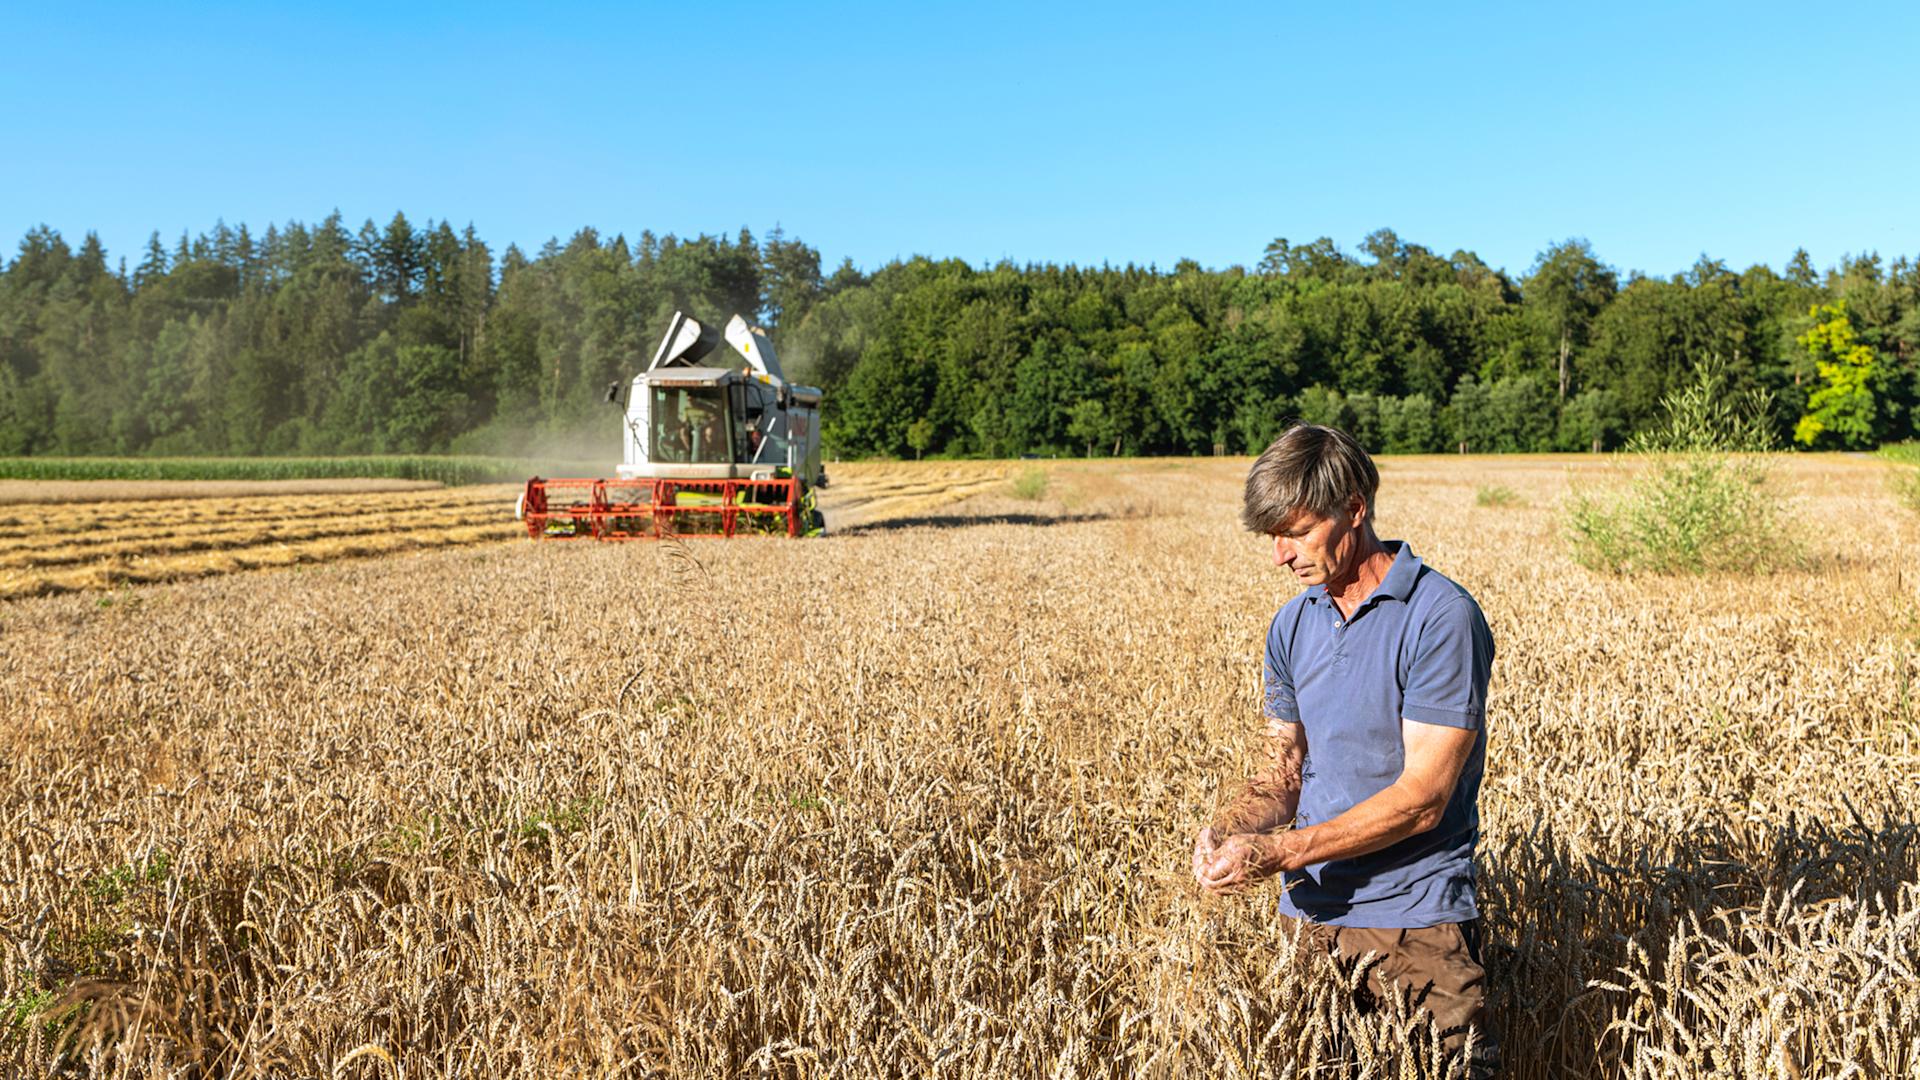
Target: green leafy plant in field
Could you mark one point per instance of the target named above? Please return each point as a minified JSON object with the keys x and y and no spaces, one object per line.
{"x":792,"y":798}
{"x":560,"y":818}
{"x":114,"y":885}
{"x":1031,"y":484}
{"x":416,"y":833}
{"x":1700,"y":502}
{"x":1497,"y":495}
{"x":20,"y":1009}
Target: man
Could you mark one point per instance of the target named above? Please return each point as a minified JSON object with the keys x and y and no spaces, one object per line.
{"x":1378,"y":670}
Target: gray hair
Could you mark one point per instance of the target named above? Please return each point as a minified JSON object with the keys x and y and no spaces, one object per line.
{"x":1309,"y":467}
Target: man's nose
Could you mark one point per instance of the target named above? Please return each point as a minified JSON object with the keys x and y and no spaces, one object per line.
{"x":1282,"y":551}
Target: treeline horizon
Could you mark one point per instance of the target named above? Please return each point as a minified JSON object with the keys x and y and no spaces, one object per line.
{"x":409,"y":340}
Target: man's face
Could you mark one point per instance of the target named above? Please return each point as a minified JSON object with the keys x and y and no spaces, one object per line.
{"x":1316,"y":548}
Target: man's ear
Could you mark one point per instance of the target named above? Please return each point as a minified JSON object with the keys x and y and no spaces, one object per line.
{"x":1357,"y":510}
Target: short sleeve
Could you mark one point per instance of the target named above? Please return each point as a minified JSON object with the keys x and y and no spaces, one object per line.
{"x":1447,"y":681}
{"x":1276,"y":677}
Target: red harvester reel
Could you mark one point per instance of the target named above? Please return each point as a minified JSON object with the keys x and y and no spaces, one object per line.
{"x":654,"y":509}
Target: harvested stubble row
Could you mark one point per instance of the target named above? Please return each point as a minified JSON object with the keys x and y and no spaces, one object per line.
{"x":932,"y":817}
{"x":67,"y":520}
{"x":67,"y":548}
{"x":36,"y":550}
{"x":114,"y":571}
{"x":226,"y":538}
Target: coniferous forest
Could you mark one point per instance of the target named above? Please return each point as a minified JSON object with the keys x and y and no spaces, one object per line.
{"x":422,"y":339}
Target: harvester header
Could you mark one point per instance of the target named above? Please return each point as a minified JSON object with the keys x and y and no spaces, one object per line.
{"x":717,"y":443}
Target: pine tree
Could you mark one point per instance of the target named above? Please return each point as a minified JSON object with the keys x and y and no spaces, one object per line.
{"x":224,"y":246}
{"x":154,"y":265}
{"x":396,"y":258}
{"x":472,"y":289}
{"x":245,"y":259}
{"x":790,"y":279}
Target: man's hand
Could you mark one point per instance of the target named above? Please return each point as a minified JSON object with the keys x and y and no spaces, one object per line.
{"x":1240,"y":861}
{"x":1242,"y":833}
{"x":1204,"y":846}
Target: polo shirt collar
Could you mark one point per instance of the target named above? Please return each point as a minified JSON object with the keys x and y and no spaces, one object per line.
{"x":1399,"y":580}
{"x":1400,"y":576}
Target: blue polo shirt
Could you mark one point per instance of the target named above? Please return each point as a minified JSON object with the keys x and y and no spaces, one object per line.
{"x":1417,"y":647}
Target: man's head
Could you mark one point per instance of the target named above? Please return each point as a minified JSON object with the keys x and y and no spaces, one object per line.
{"x":1312,"y":491}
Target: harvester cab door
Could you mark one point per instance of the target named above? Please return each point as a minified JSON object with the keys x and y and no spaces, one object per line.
{"x":775,"y":445}
{"x":738,"y":423}
{"x":804,"y":441}
{"x":803,"y":429}
{"x":636,"y":439}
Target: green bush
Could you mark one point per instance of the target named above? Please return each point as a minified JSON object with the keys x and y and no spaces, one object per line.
{"x":1685,"y":514}
{"x":1030,"y":485}
{"x":1701,"y":502}
{"x":1497,"y":495}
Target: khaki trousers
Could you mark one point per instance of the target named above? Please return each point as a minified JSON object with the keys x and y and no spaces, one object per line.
{"x":1437,"y":967}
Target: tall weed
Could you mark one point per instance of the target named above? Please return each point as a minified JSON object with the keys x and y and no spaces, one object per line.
{"x":1906,"y":487}
{"x":1497,"y":495}
{"x":1702,"y":500}
{"x":1031,"y":484}
{"x":1904,"y":482}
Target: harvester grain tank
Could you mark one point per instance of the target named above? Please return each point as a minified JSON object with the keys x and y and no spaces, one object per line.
{"x":717,"y":443}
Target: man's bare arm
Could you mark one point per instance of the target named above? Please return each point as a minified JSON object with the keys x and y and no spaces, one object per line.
{"x":1410,"y":805}
{"x":1272,"y":794}
{"x":1268,"y":801}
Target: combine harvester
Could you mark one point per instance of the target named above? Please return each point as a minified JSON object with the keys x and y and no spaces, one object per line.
{"x":710,"y":451}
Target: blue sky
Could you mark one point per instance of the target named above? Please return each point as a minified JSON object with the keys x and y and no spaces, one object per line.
{"x":1109,"y":133}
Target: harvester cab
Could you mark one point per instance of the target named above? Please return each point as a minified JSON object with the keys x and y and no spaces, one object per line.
{"x":715,"y":445}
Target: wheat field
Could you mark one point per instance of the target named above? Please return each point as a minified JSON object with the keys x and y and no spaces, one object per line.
{"x":917,"y":799}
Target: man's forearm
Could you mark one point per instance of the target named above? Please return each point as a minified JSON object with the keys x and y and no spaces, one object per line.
{"x":1269,"y":801}
{"x":1380,"y":821}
